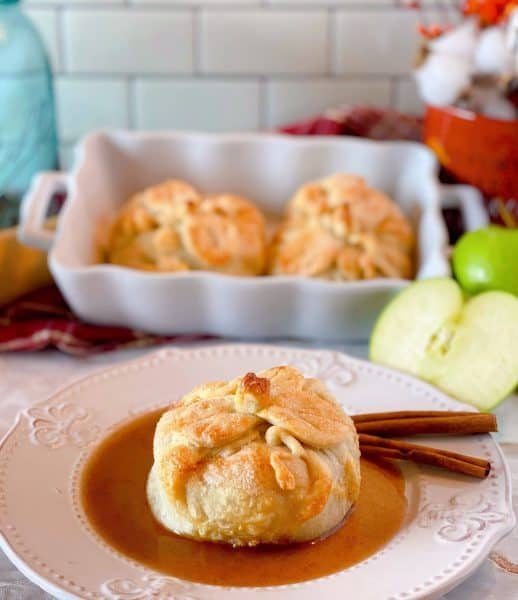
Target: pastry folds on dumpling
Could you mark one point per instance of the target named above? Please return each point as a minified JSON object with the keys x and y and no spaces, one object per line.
{"x":339,"y":228}
{"x":172,"y":227}
{"x":267,"y":458}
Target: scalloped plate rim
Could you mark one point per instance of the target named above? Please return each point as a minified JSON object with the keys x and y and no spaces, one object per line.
{"x":170,"y":352}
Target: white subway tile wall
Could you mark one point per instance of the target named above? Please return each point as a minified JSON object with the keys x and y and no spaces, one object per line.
{"x":127,"y":41}
{"x":194,"y":104}
{"x":381,"y":41}
{"x":84,"y":104}
{"x":221,"y":65}
{"x":266,"y":41}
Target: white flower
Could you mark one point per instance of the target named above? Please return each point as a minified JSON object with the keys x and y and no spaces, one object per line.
{"x":442,"y":78}
{"x":446,"y":72}
{"x":459,"y":42}
{"x":492,"y":55}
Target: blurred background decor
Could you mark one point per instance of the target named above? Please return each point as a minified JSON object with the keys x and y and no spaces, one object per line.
{"x":28,"y":142}
{"x":467,"y":75}
{"x":216,"y":65}
{"x":311,"y":68}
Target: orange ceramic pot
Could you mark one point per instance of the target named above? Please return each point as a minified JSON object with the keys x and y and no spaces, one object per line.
{"x":477,"y":150}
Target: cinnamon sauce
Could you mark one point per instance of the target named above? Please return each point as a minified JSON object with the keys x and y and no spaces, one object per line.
{"x":114,"y":498}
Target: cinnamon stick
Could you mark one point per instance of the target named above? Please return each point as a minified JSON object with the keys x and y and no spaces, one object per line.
{"x":459,"y":463}
{"x":385,"y":424}
{"x":406,"y":414}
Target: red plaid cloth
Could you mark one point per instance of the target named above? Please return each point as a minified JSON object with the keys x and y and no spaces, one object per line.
{"x":42,"y":319}
{"x":360,"y":121}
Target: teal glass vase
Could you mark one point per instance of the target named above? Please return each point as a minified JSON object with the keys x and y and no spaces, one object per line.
{"x":28,"y":141}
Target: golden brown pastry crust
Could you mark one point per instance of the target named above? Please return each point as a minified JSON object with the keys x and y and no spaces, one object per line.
{"x":172,"y":227}
{"x":339,"y":228}
{"x":266,"y":458}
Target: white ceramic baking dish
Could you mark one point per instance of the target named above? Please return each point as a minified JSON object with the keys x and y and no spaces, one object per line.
{"x":267,"y":169}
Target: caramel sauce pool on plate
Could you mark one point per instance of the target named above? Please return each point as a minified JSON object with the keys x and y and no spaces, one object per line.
{"x":113,"y":495}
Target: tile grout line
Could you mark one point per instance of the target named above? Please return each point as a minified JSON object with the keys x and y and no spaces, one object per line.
{"x":131,"y":101}
{"x":331,"y":42}
{"x":394,"y":84}
{"x":263,"y":102}
{"x":217,"y":76}
{"x":308,"y":6}
{"x":196,"y":40}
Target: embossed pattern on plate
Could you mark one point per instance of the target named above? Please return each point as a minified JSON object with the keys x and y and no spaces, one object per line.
{"x":453,"y":522}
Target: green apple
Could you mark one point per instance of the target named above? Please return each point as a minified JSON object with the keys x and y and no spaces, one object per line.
{"x":487,"y":259}
{"x":468,"y":348}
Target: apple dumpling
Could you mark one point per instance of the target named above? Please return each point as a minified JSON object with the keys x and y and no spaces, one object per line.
{"x":264,"y":458}
{"x":341,"y":229}
{"x":172,"y":227}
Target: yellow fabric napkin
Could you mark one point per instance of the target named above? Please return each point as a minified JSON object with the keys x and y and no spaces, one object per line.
{"x":22,"y":269}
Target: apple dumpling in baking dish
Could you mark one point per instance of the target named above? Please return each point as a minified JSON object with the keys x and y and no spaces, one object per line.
{"x":341,"y":229}
{"x":264,"y":458}
{"x":337,"y":228}
{"x":173,"y":227}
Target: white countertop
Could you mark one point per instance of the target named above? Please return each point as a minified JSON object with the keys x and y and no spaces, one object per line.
{"x":27,"y":378}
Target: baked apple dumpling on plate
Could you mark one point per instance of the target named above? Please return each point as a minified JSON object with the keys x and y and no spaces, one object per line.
{"x":267,"y":458}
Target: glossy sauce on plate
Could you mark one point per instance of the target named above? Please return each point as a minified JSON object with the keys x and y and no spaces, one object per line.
{"x":113,"y":494}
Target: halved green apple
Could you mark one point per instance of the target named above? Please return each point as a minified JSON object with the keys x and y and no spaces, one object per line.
{"x":468,"y":348}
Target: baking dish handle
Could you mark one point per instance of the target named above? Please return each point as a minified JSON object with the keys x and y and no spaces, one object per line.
{"x":34,"y":208}
{"x":470,"y":203}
